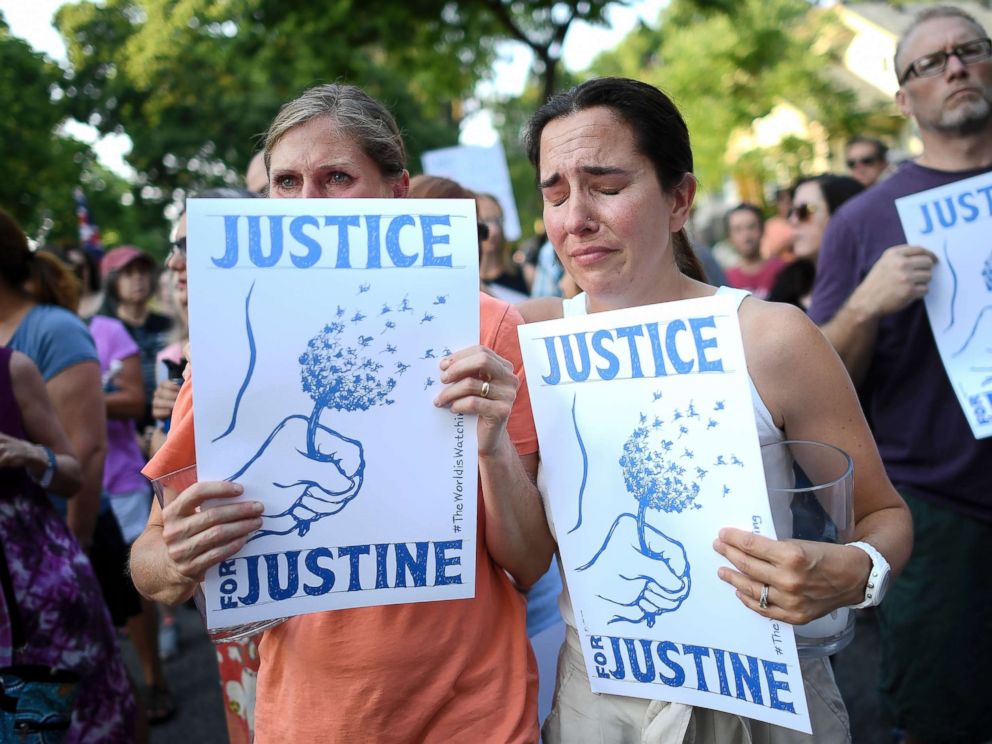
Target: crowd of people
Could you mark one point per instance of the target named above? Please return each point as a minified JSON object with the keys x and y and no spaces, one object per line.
{"x":96,"y":399}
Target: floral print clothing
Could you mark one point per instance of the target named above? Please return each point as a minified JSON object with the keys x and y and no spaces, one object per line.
{"x":52,"y":616}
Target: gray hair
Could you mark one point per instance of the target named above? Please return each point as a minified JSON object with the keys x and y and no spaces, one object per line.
{"x":355,"y":113}
{"x":929,"y":14}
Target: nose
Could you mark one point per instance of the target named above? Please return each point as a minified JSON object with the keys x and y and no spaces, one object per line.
{"x":955,"y":67}
{"x":310,"y":190}
{"x":580,"y":219}
{"x":176,"y":261}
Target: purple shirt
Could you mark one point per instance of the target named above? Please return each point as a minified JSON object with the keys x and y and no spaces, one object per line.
{"x":922,"y":434}
{"x":122,"y":470}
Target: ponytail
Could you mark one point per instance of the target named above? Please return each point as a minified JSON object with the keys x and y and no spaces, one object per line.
{"x":51,"y":282}
{"x":685,"y":257}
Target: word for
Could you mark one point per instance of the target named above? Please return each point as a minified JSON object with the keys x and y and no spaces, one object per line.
{"x":702,"y":668}
{"x":247,"y":580}
{"x":304,"y":239}
{"x":963,"y":207}
{"x":679,"y":347}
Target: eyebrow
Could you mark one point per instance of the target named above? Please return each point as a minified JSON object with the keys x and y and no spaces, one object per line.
{"x":592,"y":170}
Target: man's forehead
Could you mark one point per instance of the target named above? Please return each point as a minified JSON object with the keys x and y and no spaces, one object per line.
{"x":936,"y":33}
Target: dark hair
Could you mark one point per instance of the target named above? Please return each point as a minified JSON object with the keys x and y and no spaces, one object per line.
{"x":46,"y":279}
{"x":881,"y":149}
{"x":835,"y":189}
{"x":793,"y":282}
{"x":660,"y":135}
{"x":744,"y":207}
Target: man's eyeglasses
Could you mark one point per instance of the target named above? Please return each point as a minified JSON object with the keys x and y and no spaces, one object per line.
{"x":178,"y":247}
{"x":933,"y":64}
{"x":802,"y":212}
{"x":867,"y":160}
{"x":483,"y":231}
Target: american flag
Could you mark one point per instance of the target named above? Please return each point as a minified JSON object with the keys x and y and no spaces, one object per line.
{"x":89,"y":233}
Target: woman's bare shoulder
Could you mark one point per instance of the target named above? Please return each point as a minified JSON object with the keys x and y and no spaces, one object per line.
{"x":540,"y":308}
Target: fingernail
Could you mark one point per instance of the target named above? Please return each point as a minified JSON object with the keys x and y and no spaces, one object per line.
{"x":445,"y":362}
{"x":257,"y":522}
{"x":258,"y":507}
{"x":238,"y":489}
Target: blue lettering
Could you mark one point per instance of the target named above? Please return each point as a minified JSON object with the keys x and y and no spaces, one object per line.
{"x":416,"y":566}
{"x":697,"y":325}
{"x":354,"y":553}
{"x":427,"y":223}
{"x":746,"y":677}
{"x":680,"y":365}
{"x":326,"y":575}
{"x":659,"y":356}
{"x":227,"y":568}
{"x":251,"y":566}
{"x":397,"y":256}
{"x":554,"y":376}
{"x":579,"y":375}
{"x":927,"y":222}
{"x":381,"y":552}
{"x":969,"y":212}
{"x":647,"y":674}
{"x":442,"y":561}
{"x":276,"y":591}
{"x":697,"y":653}
{"x":612,"y":367}
{"x":343,"y":223}
{"x":721,"y":671}
{"x":678,"y":673}
{"x":987,"y":190}
{"x":255,"y":253}
{"x":230,"y":257}
{"x":629,"y":333}
{"x":619,"y":672}
{"x":774,"y":685}
{"x":375,"y":253}
{"x":313,"y":247}
{"x":951,"y":218}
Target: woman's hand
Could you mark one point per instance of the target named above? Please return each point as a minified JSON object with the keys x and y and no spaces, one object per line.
{"x":479,"y":381}
{"x":196,"y":539}
{"x":806,"y":580}
{"x":19,"y":453}
{"x":164,"y":399}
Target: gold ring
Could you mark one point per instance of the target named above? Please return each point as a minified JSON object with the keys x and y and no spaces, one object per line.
{"x":485,"y":389}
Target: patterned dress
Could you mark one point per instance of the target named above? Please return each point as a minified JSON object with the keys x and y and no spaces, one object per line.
{"x":53,"y":623}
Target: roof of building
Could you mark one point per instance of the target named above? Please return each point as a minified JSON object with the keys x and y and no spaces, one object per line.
{"x":898,"y":19}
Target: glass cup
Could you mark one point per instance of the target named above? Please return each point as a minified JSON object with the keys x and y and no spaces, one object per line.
{"x":168,"y":487}
{"x":810,"y":490}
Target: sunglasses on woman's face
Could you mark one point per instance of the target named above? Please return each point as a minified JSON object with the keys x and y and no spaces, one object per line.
{"x":867,"y":160}
{"x":802,"y":212}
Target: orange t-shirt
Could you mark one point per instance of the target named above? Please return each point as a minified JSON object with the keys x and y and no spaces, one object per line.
{"x":458,"y":670}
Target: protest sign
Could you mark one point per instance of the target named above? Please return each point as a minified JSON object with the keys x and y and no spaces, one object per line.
{"x":649,"y":447}
{"x":316,"y":329}
{"x":955,"y":222}
{"x":480,"y":169}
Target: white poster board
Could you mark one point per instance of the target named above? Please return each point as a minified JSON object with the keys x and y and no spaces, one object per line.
{"x":649,"y":447}
{"x":955,"y":222}
{"x":316,"y":329}
{"x":480,"y":169}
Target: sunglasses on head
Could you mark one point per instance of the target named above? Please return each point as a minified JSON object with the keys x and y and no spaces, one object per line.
{"x":866,"y":160}
{"x":802,"y":212}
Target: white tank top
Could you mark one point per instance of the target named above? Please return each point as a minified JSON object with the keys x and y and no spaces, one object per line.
{"x":767,"y":434}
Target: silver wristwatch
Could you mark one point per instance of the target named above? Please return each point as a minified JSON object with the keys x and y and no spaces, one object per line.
{"x":878,"y":578}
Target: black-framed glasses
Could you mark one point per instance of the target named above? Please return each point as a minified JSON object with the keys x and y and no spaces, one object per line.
{"x":803,"y":212}
{"x":935,"y":63}
{"x":866,"y":160}
{"x":483,"y":231}
{"x":178,"y":247}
